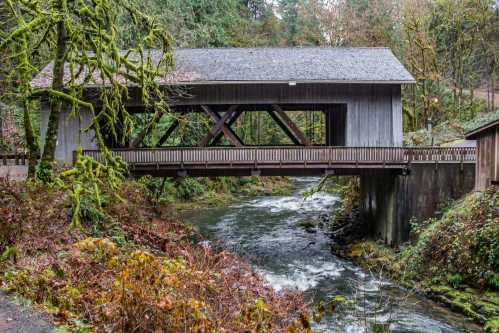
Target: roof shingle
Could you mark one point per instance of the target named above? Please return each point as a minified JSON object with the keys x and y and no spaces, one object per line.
{"x":212,"y":65}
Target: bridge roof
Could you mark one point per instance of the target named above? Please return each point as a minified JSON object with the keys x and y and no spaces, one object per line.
{"x":292,"y":64}
{"x":275,"y":65}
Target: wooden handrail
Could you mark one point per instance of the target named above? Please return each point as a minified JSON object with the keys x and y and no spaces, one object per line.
{"x":317,"y":154}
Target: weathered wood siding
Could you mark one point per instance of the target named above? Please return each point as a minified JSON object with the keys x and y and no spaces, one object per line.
{"x":487,"y":166}
{"x":392,"y":203}
{"x":71,"y":133}
{"x":373,"y":111}
{"x":336,"y":119}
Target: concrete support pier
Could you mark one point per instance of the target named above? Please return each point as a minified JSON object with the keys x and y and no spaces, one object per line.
{"x":390,"y":202}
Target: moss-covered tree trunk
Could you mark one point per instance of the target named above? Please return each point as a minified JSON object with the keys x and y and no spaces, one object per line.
{"x":25,"y":72}
{"x":29,"y":133}
{"x":31,"y":140}
{"x":47,"y":161}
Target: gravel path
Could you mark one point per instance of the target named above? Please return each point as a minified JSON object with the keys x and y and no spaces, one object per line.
{"x":20,"y":319}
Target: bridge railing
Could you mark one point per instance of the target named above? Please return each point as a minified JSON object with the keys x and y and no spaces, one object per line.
{"x":290,"y":155}
{"x":13,"y":159}
{"x":440,"y":154}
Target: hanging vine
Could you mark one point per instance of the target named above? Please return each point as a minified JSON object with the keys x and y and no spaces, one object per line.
{"x":92,"y":179}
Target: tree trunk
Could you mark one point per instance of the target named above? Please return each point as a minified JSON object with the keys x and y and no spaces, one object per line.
{"x":1,"y":126}
{"x":29,"y":133}
{"x":489,"y":96}
{"x":25,"y":89}
{"x":31,"y":140}
{"x":47,"y":161}
{"x":493,"y":88}
{"x":472,"y":98}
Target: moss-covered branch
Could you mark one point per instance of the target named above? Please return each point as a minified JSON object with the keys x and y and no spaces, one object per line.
{"x":86,"y":48}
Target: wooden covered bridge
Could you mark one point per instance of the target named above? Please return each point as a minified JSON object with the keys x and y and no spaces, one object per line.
{"x":356,"y":91}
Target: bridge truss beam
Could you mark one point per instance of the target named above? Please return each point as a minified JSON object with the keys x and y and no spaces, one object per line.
{"x":221,"y":126}
{"x":224,"y":117}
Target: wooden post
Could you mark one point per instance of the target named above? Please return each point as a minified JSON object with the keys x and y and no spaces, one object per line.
{"x":231,"y":121}
{"x":284,"y":128}
{"x":168,"y":132}
{"x":217,"y":128}
{"x":291,"y":125}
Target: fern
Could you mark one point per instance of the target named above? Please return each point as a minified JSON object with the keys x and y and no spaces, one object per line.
{"x":492,"y":279}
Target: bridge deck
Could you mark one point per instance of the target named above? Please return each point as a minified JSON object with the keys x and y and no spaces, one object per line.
{"x":221,"y":161}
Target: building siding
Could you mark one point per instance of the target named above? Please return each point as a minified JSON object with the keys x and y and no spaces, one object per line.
{"x":374,"y":111}
{"x":71,"y":134}
{"x":487,"y":166}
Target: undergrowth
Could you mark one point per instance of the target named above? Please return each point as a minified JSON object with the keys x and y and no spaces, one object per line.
{"x":463,"y":244}
{"x":348,"y":189}
{"x":214,"y":190}
{"x":449,"y":131}
{"x":130,"y":268}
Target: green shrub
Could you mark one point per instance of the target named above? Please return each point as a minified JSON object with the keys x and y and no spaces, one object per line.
{"x":455,"y":280}
{"x":189,"y":188}
{"x":492,"y":279}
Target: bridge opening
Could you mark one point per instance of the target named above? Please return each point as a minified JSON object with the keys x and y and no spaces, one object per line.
{"x":242,"y":125}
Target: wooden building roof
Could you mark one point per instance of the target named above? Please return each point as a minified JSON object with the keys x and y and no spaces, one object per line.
{"x":277,"y":65}
{"x":474,"y":134}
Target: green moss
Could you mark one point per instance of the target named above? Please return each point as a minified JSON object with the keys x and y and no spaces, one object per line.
{"x":462,"y":246}
{"x":373,"y":255}
{"x":493,"y":297}
{"x":492,"y":325}
{"x":465,"y":302}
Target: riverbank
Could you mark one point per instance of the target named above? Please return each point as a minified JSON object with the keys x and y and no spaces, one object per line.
{"x":129,"y":267}
{"x":17,"y":318}
{"x":453,"y":260}
{"x":202,"y":192}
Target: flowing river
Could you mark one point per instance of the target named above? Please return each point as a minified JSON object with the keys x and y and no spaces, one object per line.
{"x":267,"y":232}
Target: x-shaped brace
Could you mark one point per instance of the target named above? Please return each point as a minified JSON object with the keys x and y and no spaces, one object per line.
{"x":221,"y":126}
